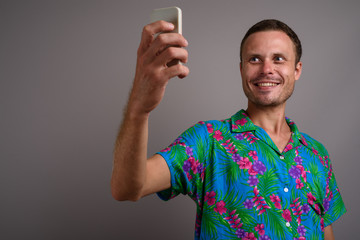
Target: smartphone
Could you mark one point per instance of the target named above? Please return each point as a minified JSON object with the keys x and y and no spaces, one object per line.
{"x":170,"y":14}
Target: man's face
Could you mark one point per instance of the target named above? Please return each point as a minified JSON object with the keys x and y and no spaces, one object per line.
{"x":268,"y":68}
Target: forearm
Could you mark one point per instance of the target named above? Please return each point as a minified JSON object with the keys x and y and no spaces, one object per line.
{"x":130,"y":155}
{"x":130,"y":167}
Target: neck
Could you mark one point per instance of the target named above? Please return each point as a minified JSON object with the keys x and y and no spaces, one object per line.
{"x":269,"y":118}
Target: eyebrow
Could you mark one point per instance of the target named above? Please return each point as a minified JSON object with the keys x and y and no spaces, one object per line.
{"x":280,"y":54}
{"x":253,"y":55}
{"x":273,"y":54}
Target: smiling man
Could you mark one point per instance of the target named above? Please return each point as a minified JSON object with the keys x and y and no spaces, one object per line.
{"x":253,"y":175}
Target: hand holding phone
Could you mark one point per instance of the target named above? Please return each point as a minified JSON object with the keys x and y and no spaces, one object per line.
{"x":172,"y":15}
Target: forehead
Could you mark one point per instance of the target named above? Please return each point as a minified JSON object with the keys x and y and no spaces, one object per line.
{"x":267,"y":42}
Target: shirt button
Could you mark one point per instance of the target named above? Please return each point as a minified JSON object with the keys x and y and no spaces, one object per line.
{"x":286,"y":189}
{"x":281,"y":157}
{"x":287,"y":224}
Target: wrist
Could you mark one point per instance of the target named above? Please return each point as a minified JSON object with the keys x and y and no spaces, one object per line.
{"x":134,"y":113}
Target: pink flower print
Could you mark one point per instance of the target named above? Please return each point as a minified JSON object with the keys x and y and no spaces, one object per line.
{"x":194,"y":166}
{"x":311,"y":198}
{"x":218,"y":136}
{"x":277,"y":205}
{"x":286,"y":215}
{"x":253,"y":154}
{"x":317,"y":209}
{"x":234,"y":220}
{"x":220,"y":207}
{"x":299,"y":184}
{"x":191,"y":160}
{"x":241,"y":122}
{"x":249,"y":236}
{"x":303,"y":140}
{"x":166,"y":149}
{"x":276,"y":200}
{"x":189,"y":176}
{"x":210,"y":198}
{"x":252,"y":172}
{"x":244,"y":163}
{"x":233,"y":212}
{"x":249,"y":136}
{"x":259,"y":201}
{"x":331,"y":194}
{"x":322,"y":224}
{"x":229,"y":146}
{"x":303,"y":172}
{"x":209,"y":128}
{"x":297,"y":210}
{"x":288,"y":147}
{"x":260,"y":228}
{"x":315,"y":151}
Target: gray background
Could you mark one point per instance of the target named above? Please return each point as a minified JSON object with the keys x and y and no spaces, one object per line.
{"x":66,"y":69}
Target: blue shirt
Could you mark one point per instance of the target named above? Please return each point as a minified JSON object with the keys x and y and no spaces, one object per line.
{"x":245,"y":188}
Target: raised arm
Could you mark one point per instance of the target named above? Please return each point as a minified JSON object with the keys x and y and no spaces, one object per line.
{"x":135,"y":176}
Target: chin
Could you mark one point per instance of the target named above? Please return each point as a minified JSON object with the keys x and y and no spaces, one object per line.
{"x":266,"y":102}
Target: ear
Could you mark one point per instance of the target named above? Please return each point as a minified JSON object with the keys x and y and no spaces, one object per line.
{"x":240,"y":65}
{"x":298,"y":69}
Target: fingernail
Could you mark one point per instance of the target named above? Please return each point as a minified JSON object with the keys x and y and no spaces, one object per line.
{"x":171,"y":25}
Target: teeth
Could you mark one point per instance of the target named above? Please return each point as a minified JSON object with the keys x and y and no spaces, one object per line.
{"x":266,"y":84}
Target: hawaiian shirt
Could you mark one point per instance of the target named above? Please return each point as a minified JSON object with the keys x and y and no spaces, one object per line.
{"x":245,"y":188}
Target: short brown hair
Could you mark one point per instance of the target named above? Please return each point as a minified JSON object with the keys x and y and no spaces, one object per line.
{"x":276,"y":25}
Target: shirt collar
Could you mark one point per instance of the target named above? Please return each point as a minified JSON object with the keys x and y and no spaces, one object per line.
{"x":240,"y":122}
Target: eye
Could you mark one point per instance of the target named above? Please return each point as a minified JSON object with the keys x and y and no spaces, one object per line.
{"x":254,"y":59}
{"x":279,"y":59}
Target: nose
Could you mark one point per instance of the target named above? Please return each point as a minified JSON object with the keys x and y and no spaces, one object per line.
{"x":267,"y":67}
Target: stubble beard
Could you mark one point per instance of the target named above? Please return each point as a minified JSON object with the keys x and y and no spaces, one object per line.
{"x":266,"y":101}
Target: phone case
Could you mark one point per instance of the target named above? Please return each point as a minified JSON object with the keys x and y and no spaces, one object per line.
{"x":171,"y":14}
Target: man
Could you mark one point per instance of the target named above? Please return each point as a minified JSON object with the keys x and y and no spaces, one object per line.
{"x":253,"y":175}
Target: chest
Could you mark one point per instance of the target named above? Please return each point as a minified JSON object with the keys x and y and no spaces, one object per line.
{"x":280,"y":141}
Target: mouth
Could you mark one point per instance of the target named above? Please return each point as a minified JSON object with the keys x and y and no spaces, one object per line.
{"x":266,"y":84}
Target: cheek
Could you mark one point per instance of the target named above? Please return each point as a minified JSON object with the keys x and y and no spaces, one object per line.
{"x":249,"y":74}
{"x":287,"y":74}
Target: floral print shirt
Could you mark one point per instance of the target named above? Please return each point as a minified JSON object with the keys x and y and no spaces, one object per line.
{"x":245,"y":188}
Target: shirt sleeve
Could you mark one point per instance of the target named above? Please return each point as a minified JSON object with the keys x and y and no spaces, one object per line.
{"x":186,"y":159}
{"x":333,"y":204}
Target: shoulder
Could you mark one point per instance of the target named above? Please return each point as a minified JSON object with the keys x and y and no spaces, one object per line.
{"x":314,"y":145}
{"x":205,"y":130}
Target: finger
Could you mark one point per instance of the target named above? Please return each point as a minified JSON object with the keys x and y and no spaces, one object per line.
{"x":165,"y":40}
{"x":177,"y":70}
{"x":170,"y":54}
{"x":150,"y":30}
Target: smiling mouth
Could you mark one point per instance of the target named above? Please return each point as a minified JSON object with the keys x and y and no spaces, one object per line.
{"x":266,"y":84}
